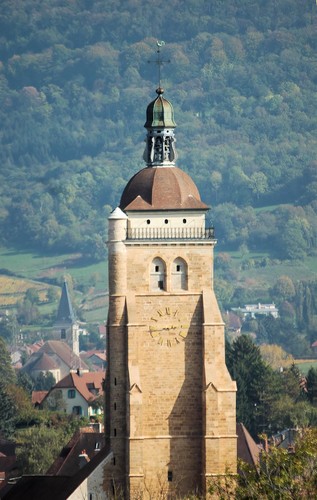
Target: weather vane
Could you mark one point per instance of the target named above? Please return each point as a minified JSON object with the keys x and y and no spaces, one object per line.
{"x":159,"y":61}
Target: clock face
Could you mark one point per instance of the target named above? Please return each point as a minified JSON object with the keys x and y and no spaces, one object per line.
{"x":167,"y":328}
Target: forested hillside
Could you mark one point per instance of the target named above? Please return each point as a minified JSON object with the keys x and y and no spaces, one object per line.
{"x":75,"y":83}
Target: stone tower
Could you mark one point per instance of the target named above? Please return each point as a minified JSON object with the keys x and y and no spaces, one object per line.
{"x":170,"y":401}
{"x":66,"y":326}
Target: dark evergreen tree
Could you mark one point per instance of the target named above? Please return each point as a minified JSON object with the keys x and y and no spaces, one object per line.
{"x":312,"y":385}
{"x":7,"y":411}
{"x":25,"y":382}
{"x":252,"y":375}
{"x":7,"y":373}
{"x":44,"y":381}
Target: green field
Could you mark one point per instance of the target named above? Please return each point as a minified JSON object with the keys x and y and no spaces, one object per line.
{"x":90,"y":278}
{"x":267,"y":276}
{"x":36,"y":266}
{"x":304,"y":366}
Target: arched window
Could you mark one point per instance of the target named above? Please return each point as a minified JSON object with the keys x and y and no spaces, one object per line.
{"x":158,"y":274}
{"x":179,"y":274}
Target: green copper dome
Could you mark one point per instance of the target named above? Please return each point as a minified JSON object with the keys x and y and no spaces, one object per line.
{"x":160,"y":112}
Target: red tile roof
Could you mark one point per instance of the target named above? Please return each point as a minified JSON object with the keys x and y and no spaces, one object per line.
{"x":161,"y":188}
{"x":64,"y":352}
{"x":38,"y":396}
{"x":84,"y":383}
{"x":44,"y":362}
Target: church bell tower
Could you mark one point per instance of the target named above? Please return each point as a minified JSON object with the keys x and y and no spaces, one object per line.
{"x":170,"y":401}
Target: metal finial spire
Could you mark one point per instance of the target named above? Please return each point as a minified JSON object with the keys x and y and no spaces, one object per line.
{"x":159,"y":61}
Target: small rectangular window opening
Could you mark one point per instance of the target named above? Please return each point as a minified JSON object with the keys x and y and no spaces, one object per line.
{"x":157,"y":269}
{"x":170,"y":475}
{"x":114,"y":432}
{"x":178,"y":268}
{"x":160,"y":285}
{"x":71,"y":393}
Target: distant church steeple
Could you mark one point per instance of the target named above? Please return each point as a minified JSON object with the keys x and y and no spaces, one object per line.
{"x":65,"y":311}
{"x":66,"y":323}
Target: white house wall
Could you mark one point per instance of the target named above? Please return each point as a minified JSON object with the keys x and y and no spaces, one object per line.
{"x":93,"y":484}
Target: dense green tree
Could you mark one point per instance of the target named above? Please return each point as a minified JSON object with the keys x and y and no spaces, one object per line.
{"x":8,"y":411}
{"x":32,"y":295}
{"x":69,"y":76}
{"x":39,"y":445}
{"x":7,"y":373}
{"x":44,"y":381}
{"x":282,"y":474}
{"x":52,"y":294}
{"x":312,"y":385}
{"x":55,"y":401}
{"x":276,"y":357}
{"x":247,"y":367}
{"x":7,"y":329}
{"x":293,"y":244}
{"x":25,"y":381}
{"x":27,"y":312}
{"x":283,"y":289}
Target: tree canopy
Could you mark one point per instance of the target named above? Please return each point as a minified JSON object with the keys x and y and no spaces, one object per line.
{"x":74,"y":85}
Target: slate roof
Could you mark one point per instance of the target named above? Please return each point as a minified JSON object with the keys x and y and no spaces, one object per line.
{"x":247,"y":449}
{"x":38,"y":396}
{"x":68,"y":461}
{"x":65,"y":313}
{"x":52,"y":487}
{"x":43,"y":362}
{"x":37,"y":487}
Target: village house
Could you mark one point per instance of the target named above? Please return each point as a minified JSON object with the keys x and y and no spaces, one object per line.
{"x":79,"y":393}
{"x":55,"y":357}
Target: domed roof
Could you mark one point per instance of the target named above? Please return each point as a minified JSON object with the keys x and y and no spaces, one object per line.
{"x":160,"y":112}
{"x":161,"y":188}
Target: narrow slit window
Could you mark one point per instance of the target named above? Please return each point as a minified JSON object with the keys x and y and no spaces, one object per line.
{"x":157,"y":275}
